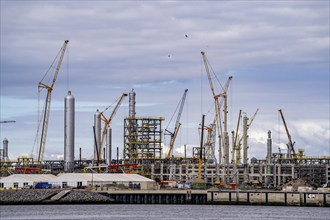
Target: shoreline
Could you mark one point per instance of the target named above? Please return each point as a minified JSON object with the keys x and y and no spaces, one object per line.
{"x":184,"y":197}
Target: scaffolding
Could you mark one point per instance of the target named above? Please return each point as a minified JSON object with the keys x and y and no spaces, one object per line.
{"x":142,"y":139}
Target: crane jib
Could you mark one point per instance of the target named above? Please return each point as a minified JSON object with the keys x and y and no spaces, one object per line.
{"x":46,"y":110}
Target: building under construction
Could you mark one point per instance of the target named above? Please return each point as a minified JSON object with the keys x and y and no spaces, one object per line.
{"x":143,"y":146}
{"x":143,"y":150}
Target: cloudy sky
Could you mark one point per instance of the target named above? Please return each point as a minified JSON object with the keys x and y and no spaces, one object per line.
{"x":276,"y":51}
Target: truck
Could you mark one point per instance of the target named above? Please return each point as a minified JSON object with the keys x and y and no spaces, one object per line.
{"x":43,"y":185}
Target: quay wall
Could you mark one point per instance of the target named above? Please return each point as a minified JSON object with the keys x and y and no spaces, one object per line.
{"x":187,"y":196}
{"x":321,"y":199}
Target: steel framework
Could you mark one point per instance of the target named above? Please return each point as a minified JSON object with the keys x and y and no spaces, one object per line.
{"x":142,"y":139}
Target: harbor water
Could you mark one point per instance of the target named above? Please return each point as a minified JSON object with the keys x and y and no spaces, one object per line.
{"x":148,"y":212}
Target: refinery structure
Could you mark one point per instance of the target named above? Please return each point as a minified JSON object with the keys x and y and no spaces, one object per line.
{"x":220,"y":158}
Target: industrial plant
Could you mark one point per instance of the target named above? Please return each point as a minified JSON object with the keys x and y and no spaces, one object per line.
{"x":220,"y":159}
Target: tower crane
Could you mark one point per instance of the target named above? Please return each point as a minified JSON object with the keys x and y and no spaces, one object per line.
{"x":107,"y":121}
{"x":290,"y":145}
{"x":177,"y":124}
{"x":46,"y":111}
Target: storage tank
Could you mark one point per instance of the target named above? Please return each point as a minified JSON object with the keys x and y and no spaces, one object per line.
{"x":97,"y":126}
{"x":5,"y":150}
{"x":69,"y":127}
{"x":108,"y":147}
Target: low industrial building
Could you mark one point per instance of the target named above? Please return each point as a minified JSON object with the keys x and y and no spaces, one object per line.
{"x":22,"y":180}
{"x":77,"y":180}
{"x":103,"y":180}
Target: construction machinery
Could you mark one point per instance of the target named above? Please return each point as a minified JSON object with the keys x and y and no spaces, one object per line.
{"x":290,"y":145}
{"x":200,"y":160}
{"x":177,"y":124}
{"x":107,"y":122}
{"x":244,"y":137}
{"x":223,"y":133}
{"x":211,"y":129}
{"x":209,"y":144}
{"x":236,"y":148}
{"x":49,"y":87}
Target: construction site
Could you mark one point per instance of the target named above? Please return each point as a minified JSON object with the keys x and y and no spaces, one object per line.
{"x":221,"y":158}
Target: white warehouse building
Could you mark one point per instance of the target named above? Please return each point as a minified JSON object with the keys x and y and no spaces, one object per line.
{"x":103,"y":180}
{"x":64,"y":180}
{"x":21,"y":180}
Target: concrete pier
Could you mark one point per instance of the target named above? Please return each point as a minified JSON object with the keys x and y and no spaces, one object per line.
{"x":321,"y":199}
{"x":157,"y":196}
{"x":187,"y":196}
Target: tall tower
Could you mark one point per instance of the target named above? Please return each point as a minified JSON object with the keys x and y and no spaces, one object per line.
{"x":142,"y":136}
{"x":69,"y":126}
{"x":132,"y":104}
{"x":5,"y":150}
{"x":245,"y":138}
{"x":97,"y":126}
{"x":225,"y":132}
{"x":269,"y":148}
{"x":108,"y":146}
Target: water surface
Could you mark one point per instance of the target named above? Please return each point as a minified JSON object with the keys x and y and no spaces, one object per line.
{"x":148,"y":212}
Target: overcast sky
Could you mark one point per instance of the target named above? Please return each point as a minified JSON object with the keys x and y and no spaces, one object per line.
{"x":276,"y":51}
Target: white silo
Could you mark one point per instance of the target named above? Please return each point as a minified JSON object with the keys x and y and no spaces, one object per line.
{"x":97,"y":126}
{"x":69,"y":127}
{"x":108,"y":146}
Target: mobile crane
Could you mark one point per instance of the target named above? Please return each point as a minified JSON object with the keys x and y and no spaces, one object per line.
{"x":177,"y":124}
{"x":49,"y":87}
{"x":107,"y":121}
{"x":290,"y":145}
{"x":222,"y":133}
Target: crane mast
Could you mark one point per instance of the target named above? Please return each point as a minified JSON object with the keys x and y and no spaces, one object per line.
{"x":211,"y":129}
{"x":200,"y":160}
{"x":224,"y":134}
{"x":46,"y":111}
{"x":236,"y":148}
{"x":209,"y":144}
{"x":108,"y":121}
{"x":225,"y":115}
{"x":237,"y":127}
{"x":290,"y":145}
{"x":177,"y":124}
